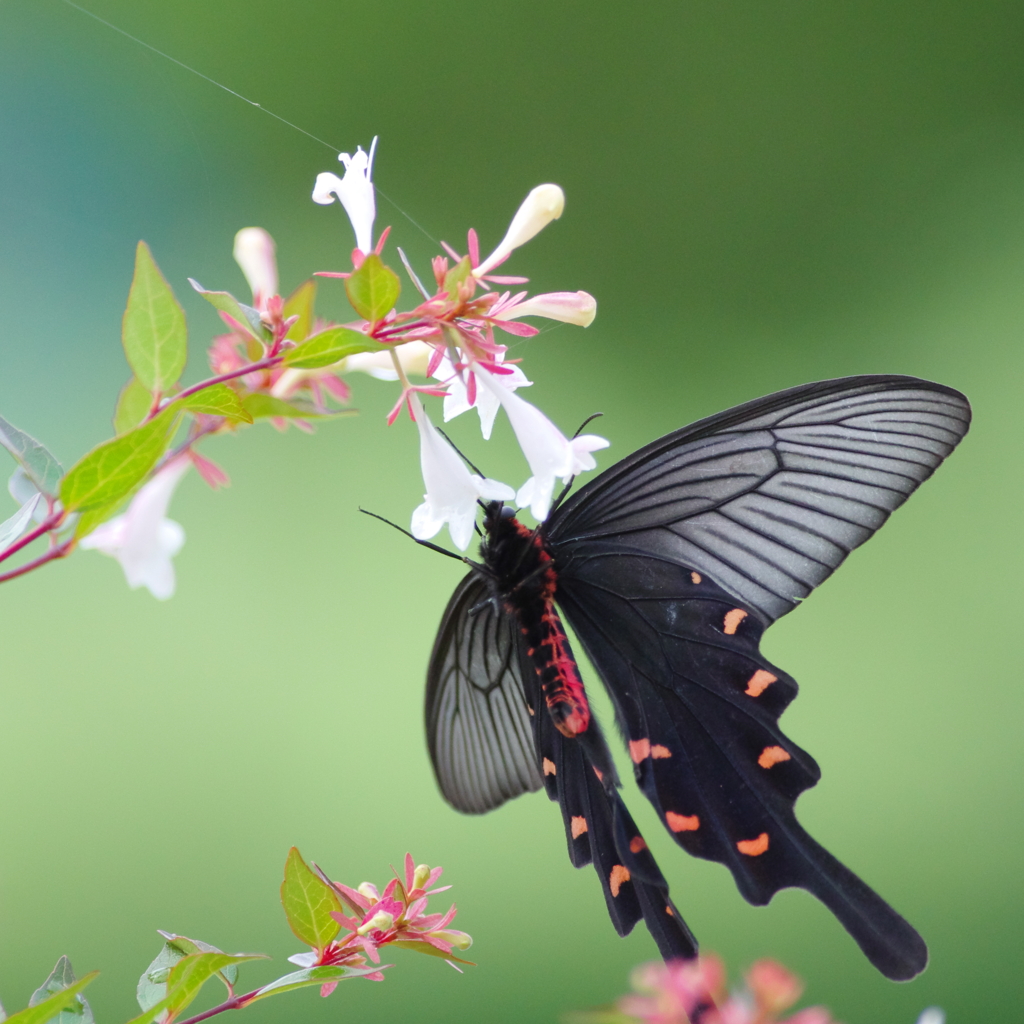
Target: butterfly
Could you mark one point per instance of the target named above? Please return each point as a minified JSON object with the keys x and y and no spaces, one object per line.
{"x":669,"y":566}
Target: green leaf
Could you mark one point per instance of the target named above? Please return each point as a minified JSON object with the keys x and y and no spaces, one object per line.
{"x":246,"y":317}
{"x":42,"y":468}
{"x":111,"y":470}
{"x":133,"y":405}
{"x":50,"y":1008}
{"x":61,"y":978}
{"x":314,"y":976}
{"x":308,"y":903}
{"x":229,"y":975}
{"x":328,"y":347}
{"x":188,"y":976}
{"x":456,"y":276}
{"x":217,"y":400}
{"x":373,"y":289}
{"x":261,"y":405}
{"x":300,"y":304}
{"x":153,"y":329}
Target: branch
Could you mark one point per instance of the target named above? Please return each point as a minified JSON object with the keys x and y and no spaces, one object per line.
{"x":50,"y":522}
{"x":56,"y":552}
{"x":234,"y":1003}
{"x":263,"y":364}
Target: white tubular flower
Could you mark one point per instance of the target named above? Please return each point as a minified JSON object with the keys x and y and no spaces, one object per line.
{"x":549,"y":452}
{"x":452,"y":491}
{"x":578,"y":308}
{"x":355,"y":191}
{"x":933,"y":1015}
{"x":143,"y":539}
{"x":543,"y":205}
{"x":456,"y":402}
{"x":413,"y":355}
{"x":254,"y":253}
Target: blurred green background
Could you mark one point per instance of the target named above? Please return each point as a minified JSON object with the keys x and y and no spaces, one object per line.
{"x":759,"y":194}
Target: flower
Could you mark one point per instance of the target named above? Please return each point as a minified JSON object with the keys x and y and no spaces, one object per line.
{"x":578,"y":308}
{"x":413,"y":355}
{"x":671,"y":992}
{"x":355,"y":192}
{"x":486,"y":403}
{"x":549,"y":452}
{"x":543,"y":205}
{"x":452,"y":491}
{"x":254,"y":253}
{"x":143,"y":539}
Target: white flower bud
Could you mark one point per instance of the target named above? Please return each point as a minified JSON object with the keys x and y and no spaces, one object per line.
{"x":543,"y":205}
{"x":254,"y":253}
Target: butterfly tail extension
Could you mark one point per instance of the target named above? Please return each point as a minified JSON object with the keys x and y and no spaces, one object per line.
{"x":600,"y":831}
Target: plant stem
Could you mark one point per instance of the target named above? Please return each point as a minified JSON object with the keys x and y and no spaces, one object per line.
{"x":263,"y":364}
{"x":45,"y":526}
{"x":55,"y":552}
{"x":234,"y":1003}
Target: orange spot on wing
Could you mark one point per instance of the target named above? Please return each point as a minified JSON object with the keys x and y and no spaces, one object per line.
{"x":617,"y":878}
{"x":772,"y":755}
{"x":733,"y":619}
{"x":530,"y":709}
{"x":658,"y":751}
{"x":579,"y":825}
{"x":682,"y":822}
{"x":599,"y":774}
{"x":753,"y":847}
{"x":670,"y":911}
{"x":695,"y":576}
{"x":637,"y":843}
{"x":639,"y":749}
{"x":549,"y":767}
{"x":759,"y":682}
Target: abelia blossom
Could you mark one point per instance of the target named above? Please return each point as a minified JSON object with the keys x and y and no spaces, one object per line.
{"x":578,"y":308}
{"x":550,"y":454}
{"x":458,"y":400}
{"x":254,"y":252}
{"x":669,"y":993}
{"x":143,"y":539}
{"x":354,"y":191}
{"x":544,"y":204}
{"x":452,"y":491}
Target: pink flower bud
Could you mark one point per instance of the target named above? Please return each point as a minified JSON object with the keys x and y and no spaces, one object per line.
{"x":543,"y":205}
{"x":254,"y":253}
{"x":578,"y":308}
{"x":773,"y":987}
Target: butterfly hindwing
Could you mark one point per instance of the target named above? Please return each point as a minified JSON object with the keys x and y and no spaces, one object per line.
{"x":478,"y":731}
{"x":600,"y":831}
{"x":700,"y":706}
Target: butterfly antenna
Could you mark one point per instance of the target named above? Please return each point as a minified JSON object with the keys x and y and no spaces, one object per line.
{"x":590,"y":419}
{"x":458,"y":451}
{"x":426,"y":543}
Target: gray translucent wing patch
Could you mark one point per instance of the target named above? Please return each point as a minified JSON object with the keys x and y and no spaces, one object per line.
{"x":770,"y":497}
{"x":478,"y":729}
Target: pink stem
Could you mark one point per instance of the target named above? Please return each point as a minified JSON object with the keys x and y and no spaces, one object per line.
{"x":263,"y":364}
{"x":234,"y":1003}
{"x":45,"y":526}
{"x":58,"y":552}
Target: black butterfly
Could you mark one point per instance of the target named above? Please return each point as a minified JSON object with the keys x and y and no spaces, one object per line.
{"x":669,"y":566}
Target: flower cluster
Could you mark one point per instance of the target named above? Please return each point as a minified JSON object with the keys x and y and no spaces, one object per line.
{"x":687,"y":991}
{"x":397,"y":916}
{"x":279,"y":361}
{"x":454,"y":328}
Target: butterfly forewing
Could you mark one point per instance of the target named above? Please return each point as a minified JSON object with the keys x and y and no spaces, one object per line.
{"x":478,"y":730}
{"x":770,"y":497}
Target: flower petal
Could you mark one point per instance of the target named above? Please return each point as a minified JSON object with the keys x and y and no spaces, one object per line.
{"x":544,"y":204}
{"x":254,"y":253}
